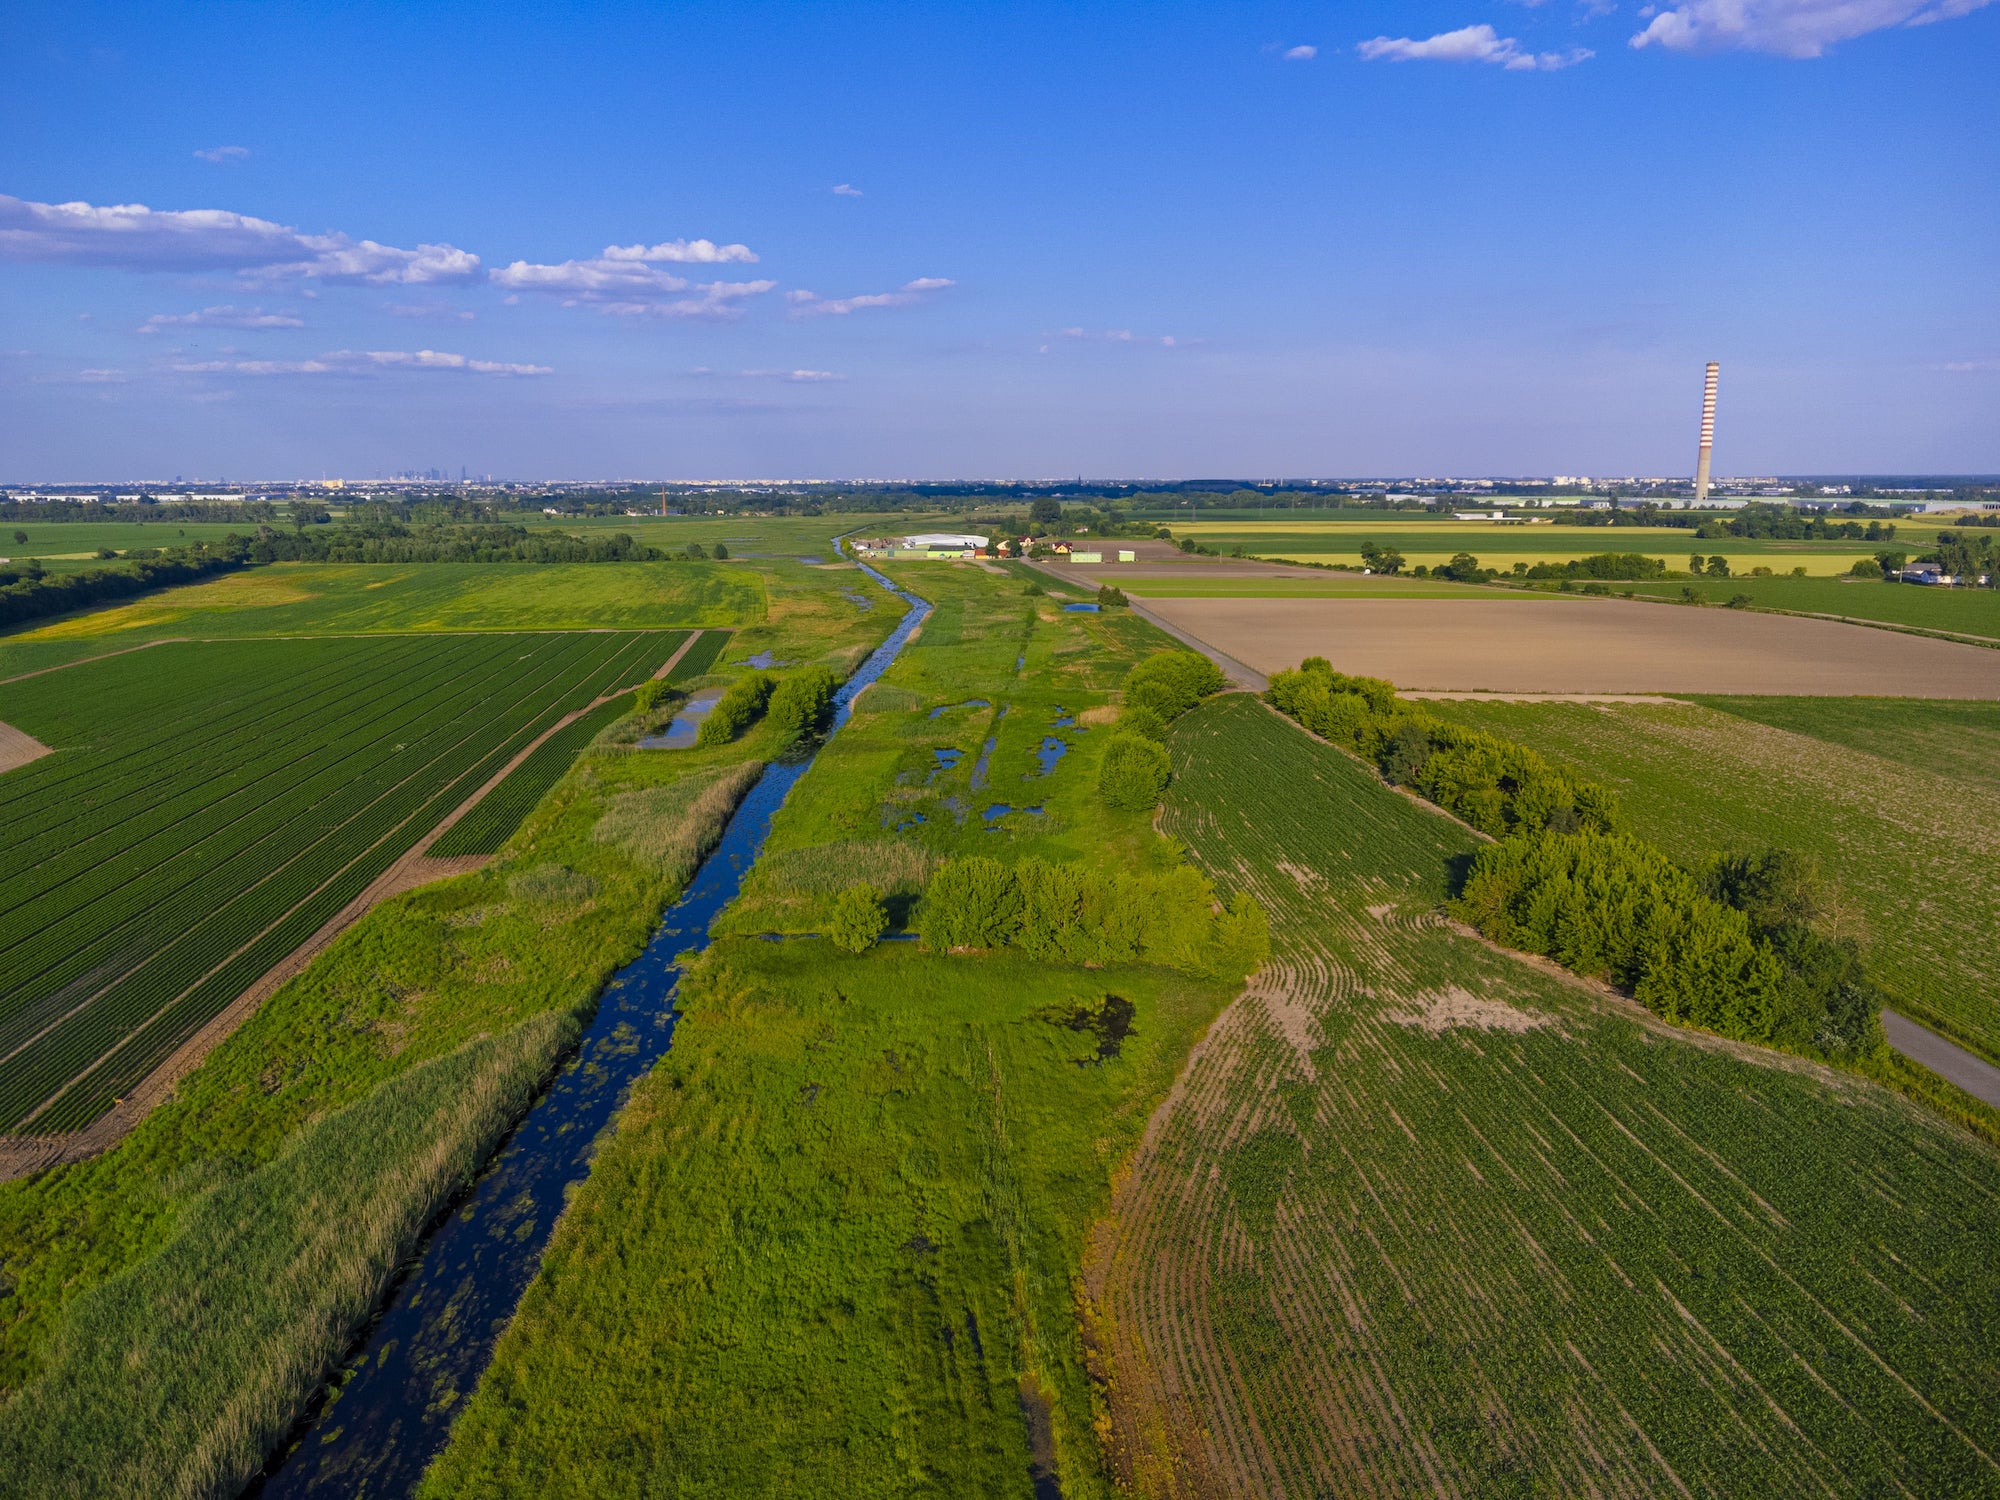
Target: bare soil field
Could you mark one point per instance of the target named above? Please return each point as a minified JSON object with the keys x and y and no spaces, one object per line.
{"x":18,"y":749}
{"x":1586,"y":646}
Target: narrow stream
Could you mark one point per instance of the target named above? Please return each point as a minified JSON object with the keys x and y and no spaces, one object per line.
{"x":376,"y":1434}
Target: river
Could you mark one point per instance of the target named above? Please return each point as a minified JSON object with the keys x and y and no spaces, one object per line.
{"x":391,"y":1411}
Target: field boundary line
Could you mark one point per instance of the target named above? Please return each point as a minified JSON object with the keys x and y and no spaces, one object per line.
{"x":1480,"y":695}
{"x":19,"y":748}
{"x":1233,"y":669}
{"x":82,"y":661}
{"x":675,"y":660}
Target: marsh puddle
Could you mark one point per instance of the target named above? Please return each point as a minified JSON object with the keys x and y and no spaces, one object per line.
{"x":992,"y":816}
{"x":945,"y":708}
{"x":686,"y":724}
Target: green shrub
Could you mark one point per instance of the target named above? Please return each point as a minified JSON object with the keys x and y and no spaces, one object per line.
{"x":859,"y":918}
{"x":1142,"y":721}
{"x":802,"y":703}
{"x":1172,"y":682}
{"x":970,"y":903}
{"x":651,"y":691}
{"x":1615,"y":907}
{"x":735,"y":711}
{"x":1110,"y":596}
{"x":1134,"y":773}
{"x":1075,"y":914}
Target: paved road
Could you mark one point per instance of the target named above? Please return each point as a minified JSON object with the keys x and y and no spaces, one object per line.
{"x":1975,"y":1075}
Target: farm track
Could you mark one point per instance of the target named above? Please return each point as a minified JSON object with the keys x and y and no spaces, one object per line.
{"x":116,"y":963}
{"x":1419,"y":1219}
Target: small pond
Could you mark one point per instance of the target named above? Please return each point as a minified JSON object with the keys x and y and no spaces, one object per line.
{"x":1082,"y":609}
{"x":686,"y":724}
{"x":945,"y":708}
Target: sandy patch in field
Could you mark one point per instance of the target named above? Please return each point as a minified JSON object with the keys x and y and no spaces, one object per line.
{"x":1585,"y":646}
{"x":1449,"y":1009}
{"x":18,"y":748}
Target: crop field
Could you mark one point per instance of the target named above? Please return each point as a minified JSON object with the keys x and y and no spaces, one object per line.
{"x":362,"y":598}
{"x":1973,"y":612}
{"x":210,"y":806}
{"x":1902,"y":837}
{"x":1419,"y":1218}
{"x":1555,"y":644}
{"x":1501,"y":546}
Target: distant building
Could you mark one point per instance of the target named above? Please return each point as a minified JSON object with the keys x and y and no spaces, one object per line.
{"x":947,"y":546}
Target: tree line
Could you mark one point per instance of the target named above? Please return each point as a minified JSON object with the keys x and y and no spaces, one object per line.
{"x":27,"y":592}
{"x":485,"y":542}
{"x":1737,"y":947}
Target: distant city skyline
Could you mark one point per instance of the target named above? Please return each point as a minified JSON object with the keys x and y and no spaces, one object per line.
{"x":1482,"y":238}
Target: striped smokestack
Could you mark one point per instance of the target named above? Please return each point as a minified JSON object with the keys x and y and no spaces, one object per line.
{"x":1707,"y":433}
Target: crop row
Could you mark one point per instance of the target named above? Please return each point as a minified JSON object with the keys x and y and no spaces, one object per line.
{"x":260,"y":768}
{"x":500,"y":811}
{"x":54,"y":945}
{"x":161,"y":954}
{"x":1424,"y":1219}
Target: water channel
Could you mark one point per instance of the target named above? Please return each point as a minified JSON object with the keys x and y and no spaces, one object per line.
{"x":377,"y":1433}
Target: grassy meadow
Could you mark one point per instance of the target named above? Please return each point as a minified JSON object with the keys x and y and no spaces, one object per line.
{"x":1893,"y":797}
{"x":832,"y":1247}
{"x":1423,"y":1218}
{"x":71,"y":546}
{"x":1974,"y":612}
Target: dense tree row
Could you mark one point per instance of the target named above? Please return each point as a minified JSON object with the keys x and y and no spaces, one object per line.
{"x":1074,"y":914}
{"x":1613,"y":906}
{"x":235,"y":511}
{"x":1494,"y":784}
{"x":1735,"y":947}
{"x":393,"y":542}
{"x":27,"y":593}
{"x":801,"y":704}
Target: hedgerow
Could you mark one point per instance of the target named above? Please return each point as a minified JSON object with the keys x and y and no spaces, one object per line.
{"x":1074,"y":914}
{"x":801,"y":703}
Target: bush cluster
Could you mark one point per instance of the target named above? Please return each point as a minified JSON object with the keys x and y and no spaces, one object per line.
{"x":802,"y":703}
{"x":1135,"y":768}
{"x":736,"y":710}
{"x":1494,"y":784}
{"x":1065,"y":913}
{"x":1615,"y":907}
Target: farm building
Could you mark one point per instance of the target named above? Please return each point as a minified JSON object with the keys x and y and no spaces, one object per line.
{"x":945,"y":545}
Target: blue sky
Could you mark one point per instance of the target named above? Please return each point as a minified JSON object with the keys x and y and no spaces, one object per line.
{"x":710,"y":240}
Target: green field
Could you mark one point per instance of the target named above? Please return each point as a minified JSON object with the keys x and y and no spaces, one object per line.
{"x":210,"y":805}
{"x":1431,"y":543}
{"x":1900,"y":837}
{"x":1424,"y":1219}
{"x":1963,"y":611}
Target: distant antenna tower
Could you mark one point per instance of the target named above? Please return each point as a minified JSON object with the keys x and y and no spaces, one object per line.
{"x":1707,"y":433}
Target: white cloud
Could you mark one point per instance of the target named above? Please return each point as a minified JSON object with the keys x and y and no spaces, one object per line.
{"x":85,"y":377}
{"x":224,"y":154}
{"x":625,"y":281}
{"x":222,"y":317}
{"x":1301,"y":54}
{"x":132,"y":237}
{"x":794,"y":377}
{"x":1120,"y":336}
{"x":811,"y":305}
{"x":430,"y":311}
{"x":359,"y":362}
{"x":1969,"y":366}
{"x":1790,"y":28}
{"x":846,"y":190}
{"x":1481,"y":44}
{"x":682,"y":252}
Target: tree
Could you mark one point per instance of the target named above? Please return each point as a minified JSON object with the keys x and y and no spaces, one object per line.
{"x":1134,"y":773}
{"x":1379,"y":559}
{"x":858,"y":919}
{"x":1171,"y":682}
{"x":651,"y":691}
{"x":970,"y":903}
{"x":1109,"y":596}
{"x":800,"y":704}
{"x":20,"y":536}
{"x":721,"y":553}
{"x":1045,"y":512}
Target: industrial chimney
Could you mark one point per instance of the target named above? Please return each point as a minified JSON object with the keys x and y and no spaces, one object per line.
{"x":1707,"y":433}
